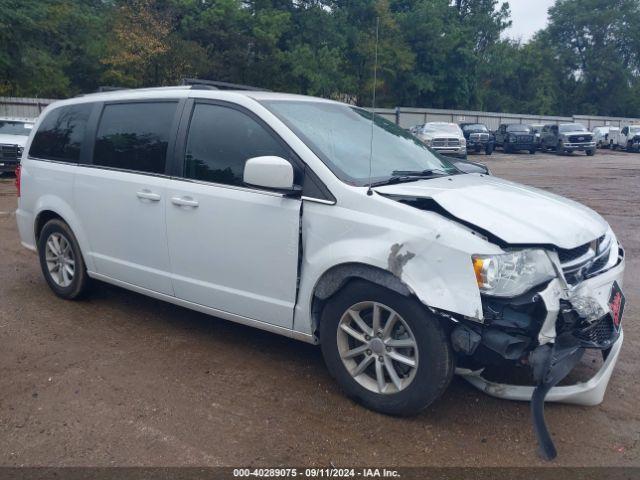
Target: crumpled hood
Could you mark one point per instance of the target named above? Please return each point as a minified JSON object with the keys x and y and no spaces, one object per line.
{"x":514,"y":213}
{"x":13,"y":139}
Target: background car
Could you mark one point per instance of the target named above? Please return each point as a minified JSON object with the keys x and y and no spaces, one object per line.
{"x":478,"y":137}
{"x":568,"y":138}
{"x":13,"y":137}
{"x":444,"y":138}
{"x":515,"y":137}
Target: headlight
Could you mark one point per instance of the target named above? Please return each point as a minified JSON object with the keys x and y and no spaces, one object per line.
{"x":428,"y":141}
{"x":512,"y":139}
{"x":20,"y":150}
{"x":513,"y":273}
{"x":463,"y":142}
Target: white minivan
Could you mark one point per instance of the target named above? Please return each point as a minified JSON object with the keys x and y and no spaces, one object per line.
{"x":309,"y":218}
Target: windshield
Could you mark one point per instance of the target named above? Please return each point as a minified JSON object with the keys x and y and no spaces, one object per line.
{"x":572,"y":127}
{"x":15,"y":128}
{"x":341,"y":136}
{"x":441,"y":128}
{"x":476,"y":127}
{"x":519,"y":128}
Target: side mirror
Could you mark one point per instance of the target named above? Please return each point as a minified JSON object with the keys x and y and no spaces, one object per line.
{"x":269,"y":172}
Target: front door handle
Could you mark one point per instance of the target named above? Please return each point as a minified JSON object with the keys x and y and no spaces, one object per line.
{"x":148,"y":195}
{"x":184,"y":202}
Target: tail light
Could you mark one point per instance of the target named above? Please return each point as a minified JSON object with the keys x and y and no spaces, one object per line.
{"x":18,"y":170}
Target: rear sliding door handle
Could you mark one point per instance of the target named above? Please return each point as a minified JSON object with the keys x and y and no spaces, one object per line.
{"x":184,"y":202}
{"x":148,"y":195}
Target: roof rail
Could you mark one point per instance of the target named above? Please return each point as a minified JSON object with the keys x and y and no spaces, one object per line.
{"x":107,"y":88}
{"x":215,"y":85}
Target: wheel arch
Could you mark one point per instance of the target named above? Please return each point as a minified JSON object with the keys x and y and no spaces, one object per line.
{"x":336,"y":277}
{"x":50,"y":207}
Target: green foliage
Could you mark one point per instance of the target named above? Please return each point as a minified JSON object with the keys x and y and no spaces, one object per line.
{"x":432,"y":53}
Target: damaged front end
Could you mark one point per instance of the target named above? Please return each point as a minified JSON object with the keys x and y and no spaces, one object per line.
{"x":547,"y":330}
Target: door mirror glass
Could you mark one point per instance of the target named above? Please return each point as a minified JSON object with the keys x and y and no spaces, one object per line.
{"x":269,"y":172}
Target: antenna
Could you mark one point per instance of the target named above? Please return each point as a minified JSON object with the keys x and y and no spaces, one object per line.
{"x":373,"y":104}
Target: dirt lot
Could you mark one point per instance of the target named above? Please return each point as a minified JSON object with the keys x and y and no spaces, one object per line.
{"x":121,"y":379}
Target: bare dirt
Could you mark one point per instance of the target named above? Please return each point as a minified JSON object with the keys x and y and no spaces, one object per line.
{"x":122,"y":379}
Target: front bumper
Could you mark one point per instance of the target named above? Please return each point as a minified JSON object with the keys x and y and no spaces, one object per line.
{"x":458,"y":152}
{"x":579,"y":146}
{"x":521,"y":146}
{"x":587,"y":393}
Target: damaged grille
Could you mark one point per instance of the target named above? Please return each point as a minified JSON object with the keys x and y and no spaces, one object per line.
{"x":599,"y":332}
{"x":586,"y":260}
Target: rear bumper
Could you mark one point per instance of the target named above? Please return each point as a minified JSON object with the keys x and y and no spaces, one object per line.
{"x":25,"y":223}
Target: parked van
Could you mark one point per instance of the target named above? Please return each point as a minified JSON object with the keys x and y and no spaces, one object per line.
{"x":303,"y":217}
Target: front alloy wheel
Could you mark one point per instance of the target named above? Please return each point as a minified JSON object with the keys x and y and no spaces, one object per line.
{"x":386,"y":350}
{"x":377,"y":347}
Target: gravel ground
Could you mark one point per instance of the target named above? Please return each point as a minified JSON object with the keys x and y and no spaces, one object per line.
{"x":121,"y":379}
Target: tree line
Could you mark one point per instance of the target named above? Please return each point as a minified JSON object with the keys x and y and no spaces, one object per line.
{"x":432,"y":53}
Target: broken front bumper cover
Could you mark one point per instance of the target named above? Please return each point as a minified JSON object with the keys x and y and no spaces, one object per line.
{"x":589,"y":393}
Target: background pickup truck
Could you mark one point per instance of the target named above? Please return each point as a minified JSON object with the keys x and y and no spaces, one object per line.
{"x":628,"y":138}
{"x":515,"y":137}
{"x":13,"y":136}
{"x":568,"y":138}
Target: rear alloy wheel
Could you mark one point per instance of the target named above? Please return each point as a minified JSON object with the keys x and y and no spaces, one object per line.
{"x":385,"y":350}
{"x":61,"y":261}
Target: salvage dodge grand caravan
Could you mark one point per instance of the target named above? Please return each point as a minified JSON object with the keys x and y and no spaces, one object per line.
{"x":308,"y":218}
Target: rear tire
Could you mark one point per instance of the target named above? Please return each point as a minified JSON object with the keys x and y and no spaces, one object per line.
{"x":61,"y":260}
{"x":409,"y":389}
{"x":532,"y":151}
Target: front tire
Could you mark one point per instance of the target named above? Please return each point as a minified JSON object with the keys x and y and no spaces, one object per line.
{"x":591,"y":153}
{"x":385,"y":350}
{"x":61,"y":260}
{"x":489,"y":150}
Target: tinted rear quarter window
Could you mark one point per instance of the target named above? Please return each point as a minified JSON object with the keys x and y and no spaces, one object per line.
{"x":134,"y":136}
{"x":61,"y":133}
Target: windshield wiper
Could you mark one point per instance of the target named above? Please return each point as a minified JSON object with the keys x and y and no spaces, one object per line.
{"x":404,"y":176}
{"x":419,"y":173}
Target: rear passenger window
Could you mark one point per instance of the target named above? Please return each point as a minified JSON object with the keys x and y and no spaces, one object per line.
{"x":221,"y":140}
{"x":60,"y":135}
{"x":134,"y":136}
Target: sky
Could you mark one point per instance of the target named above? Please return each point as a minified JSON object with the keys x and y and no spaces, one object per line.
{"x":528,"y":17}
